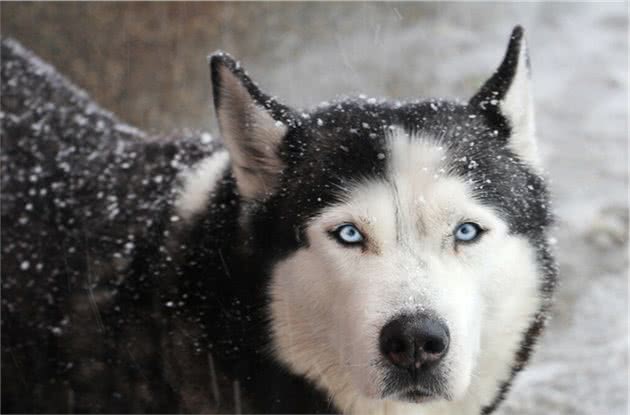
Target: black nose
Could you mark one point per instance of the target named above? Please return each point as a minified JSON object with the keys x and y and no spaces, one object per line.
{"x":414,"y":341}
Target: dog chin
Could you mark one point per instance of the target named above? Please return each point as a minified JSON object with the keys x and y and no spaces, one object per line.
{"x":414,"y":396}
{"x":417,"y":395}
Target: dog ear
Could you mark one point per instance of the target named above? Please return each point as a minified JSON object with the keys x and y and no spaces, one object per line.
{"x":252,"y":125}
{"x":507,"y":98}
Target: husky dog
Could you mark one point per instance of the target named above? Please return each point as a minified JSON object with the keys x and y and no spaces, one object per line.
{"x":365,"y":257}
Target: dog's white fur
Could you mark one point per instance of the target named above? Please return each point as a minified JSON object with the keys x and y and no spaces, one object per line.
{"x":329,"y":302}
{"x":198,"y":183}
{"x":518,"y":107}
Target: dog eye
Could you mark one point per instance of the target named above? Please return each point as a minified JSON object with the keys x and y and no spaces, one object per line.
{"x":468,"y":232}
{"x":348,"y":234}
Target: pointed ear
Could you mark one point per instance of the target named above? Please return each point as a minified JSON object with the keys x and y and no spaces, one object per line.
{"x":252,"y":126}
{"x":507,"y":97}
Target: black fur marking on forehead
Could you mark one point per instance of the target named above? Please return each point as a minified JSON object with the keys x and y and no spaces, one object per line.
{"x":499,"y":178}
{"x":325,"y":153}
{"x":336,"y":146}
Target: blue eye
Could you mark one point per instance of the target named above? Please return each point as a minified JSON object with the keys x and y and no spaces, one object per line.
{"x":348,"y":234}
{"x":467,"y":232}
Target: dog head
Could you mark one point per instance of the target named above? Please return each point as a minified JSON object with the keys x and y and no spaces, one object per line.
{"x":404,"y":241}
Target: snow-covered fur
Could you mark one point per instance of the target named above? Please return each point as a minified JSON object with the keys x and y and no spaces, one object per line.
{"x":314,"y":263}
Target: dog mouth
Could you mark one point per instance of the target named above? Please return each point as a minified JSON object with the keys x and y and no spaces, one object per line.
{"x":416,"y":395}
{"x":415,"y":389}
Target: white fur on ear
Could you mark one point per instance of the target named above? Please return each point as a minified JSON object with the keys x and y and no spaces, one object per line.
{"x":518,"y":107}
{"x":509,"y":92}
{"x":250,"y":132}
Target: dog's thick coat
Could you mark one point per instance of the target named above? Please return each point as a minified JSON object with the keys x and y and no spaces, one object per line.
{"x":163,"y":276}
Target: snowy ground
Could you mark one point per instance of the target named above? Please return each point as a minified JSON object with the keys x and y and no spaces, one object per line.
{"x":579,"y":55}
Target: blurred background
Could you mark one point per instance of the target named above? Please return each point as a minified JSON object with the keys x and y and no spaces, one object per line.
{"x":146,"y":62}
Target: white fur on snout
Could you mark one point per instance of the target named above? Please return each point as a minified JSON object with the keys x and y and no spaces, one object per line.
{"x":329,"y":302}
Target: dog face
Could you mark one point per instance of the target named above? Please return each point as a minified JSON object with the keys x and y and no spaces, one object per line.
{"x":403,"y":242}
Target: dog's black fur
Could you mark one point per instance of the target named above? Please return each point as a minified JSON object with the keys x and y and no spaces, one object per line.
{"x":111,"y":304}
{"x":88,"y":276}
